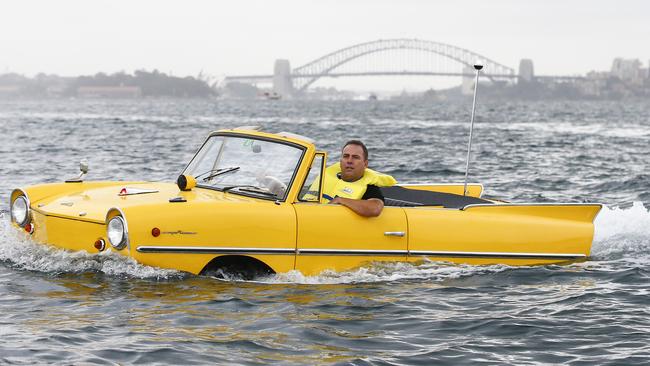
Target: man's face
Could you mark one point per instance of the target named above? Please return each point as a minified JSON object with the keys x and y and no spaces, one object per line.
{"x":353,"y":163}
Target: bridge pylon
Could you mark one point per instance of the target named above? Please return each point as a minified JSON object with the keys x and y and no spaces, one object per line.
{"x":526,"y":70}
{"x":282,"y":81}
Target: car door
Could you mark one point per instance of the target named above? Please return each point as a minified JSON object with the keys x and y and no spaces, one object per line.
{"x":330,"y":236}
{"x":333,"y":237}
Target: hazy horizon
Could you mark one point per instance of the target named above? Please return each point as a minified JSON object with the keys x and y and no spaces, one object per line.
{"x":74,"y":37}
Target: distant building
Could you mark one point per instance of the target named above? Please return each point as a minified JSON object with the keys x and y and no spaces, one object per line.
{"x":594,"y":84}
{"x":9,"y":91}
{"x":55,"y":91}
{"x":331,"y":93}
{"x":628,"y":70}
{"x":109,"y":92}
{"x":56,"y":86}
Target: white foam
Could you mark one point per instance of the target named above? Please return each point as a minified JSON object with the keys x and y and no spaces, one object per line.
{"x":550,"y":127}
{"x":387,"y":272}
{"x":571,"y":128}
{"x":18,"y":250}
{"x":622,"y":232}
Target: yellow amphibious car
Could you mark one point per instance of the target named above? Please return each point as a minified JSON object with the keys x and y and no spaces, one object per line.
{"x":241,"y":205}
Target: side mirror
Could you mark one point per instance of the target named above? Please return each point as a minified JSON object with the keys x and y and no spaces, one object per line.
{"x":83,"y":167}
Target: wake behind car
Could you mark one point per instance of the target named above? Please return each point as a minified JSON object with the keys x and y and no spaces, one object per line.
{"x":251,"y":202}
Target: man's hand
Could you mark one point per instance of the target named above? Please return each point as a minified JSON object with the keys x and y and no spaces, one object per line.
{"x":368,"y":208}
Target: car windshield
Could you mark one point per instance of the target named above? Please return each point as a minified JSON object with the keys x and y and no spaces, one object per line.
{"x":245,"y":165}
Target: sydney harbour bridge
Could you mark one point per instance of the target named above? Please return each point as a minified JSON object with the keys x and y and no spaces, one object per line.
{"x":392,"y":57}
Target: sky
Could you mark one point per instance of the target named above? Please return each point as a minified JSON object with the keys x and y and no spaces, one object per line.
{"x":82,"y":37}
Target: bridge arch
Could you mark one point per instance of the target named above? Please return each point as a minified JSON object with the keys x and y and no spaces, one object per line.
{"x":325,"y":64}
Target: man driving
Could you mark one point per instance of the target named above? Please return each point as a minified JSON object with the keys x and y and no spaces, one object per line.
{"x":350,"y":183}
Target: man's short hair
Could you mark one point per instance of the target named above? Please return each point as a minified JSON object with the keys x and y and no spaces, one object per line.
{"x":358,"y":143}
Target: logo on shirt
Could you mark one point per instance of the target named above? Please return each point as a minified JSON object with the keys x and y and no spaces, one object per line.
{"x":347,"y":190}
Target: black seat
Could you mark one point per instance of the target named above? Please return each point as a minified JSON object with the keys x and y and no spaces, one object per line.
{"x":404,"y":197}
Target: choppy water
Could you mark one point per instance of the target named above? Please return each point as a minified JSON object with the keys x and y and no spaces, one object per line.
{"x":74,"y":308}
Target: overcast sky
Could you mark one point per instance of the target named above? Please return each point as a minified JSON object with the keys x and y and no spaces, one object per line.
{"x":73,"y":37}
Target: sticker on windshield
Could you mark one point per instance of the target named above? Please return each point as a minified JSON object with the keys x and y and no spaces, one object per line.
{"x":256,"y":148}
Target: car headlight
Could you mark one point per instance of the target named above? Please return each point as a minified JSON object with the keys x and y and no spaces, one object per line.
{"x":116,"y":232}
{"x":20,"y":211}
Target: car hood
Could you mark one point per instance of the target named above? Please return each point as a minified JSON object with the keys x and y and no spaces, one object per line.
{"x":90,"y":202}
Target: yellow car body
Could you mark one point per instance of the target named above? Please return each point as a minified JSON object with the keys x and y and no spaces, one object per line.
{"x":208,"y":226}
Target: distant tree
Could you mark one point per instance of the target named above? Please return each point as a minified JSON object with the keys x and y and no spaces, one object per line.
{"x":152,"y":84}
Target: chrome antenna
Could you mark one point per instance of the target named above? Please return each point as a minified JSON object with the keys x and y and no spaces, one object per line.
{"x":478,"y":68}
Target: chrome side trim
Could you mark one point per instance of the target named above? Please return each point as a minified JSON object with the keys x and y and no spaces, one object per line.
{"x":242,"y":250}
{"x":438,"y":184}
{"x":213,"y":250}
{"x":352,"y":252}
{"x":529,"y":204}
{"x":395,"y":233}
{"x":497,"y":254}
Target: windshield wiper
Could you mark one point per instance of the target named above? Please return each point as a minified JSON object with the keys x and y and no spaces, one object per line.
{"x":217,"y":172}
{"x":251,"y":189}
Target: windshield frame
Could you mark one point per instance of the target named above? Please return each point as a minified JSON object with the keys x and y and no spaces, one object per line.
{"x":303,"y":150}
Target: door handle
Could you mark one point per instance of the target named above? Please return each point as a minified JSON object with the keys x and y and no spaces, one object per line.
{"x":394,"y":233}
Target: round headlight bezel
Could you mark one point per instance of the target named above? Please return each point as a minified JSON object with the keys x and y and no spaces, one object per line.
{"x":27,"y":216}
{"x":123,"y":239}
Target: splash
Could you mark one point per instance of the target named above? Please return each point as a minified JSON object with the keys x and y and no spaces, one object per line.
{"x":18,"y":251}
{"x":622,"y":232}
{"x":388,"y":272}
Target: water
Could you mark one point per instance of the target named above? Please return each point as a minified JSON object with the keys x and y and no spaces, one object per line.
{"x":75,"y":308}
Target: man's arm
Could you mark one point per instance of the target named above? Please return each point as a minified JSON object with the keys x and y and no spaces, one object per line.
{"x":370,"y":205}
{"x":368,"y":208}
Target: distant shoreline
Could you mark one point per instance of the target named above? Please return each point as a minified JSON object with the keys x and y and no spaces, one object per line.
{"x":144,"y":85}
{"x":140,"y":84}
